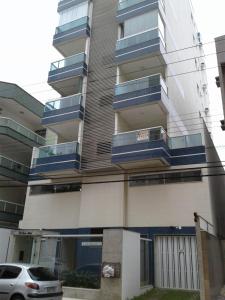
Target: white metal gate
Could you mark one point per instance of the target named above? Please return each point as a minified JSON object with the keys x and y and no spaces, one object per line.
{"x":176,"y":263}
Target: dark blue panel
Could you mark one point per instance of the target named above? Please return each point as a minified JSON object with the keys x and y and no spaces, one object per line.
{"x":59,"y":158}
{"x":138,"y":50}
{"x":145,"y":155}
{"x":186,"y":151}
{"x":150,"y":231}
{"x":79,"y":69}
{"x":138,"y":93}
{"x":77,"y":32}
{"x":139,"y":151}
{"x":188,"y":160}
{"x":140,"y":146}
{"x":63,"y":118}
{"x":134,"y":100}
{"x":137,"y":9}
{"x":73,"y":165}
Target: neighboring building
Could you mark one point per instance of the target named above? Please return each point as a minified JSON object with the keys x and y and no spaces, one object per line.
{"x":127,"y":144}
{"x":220,"y":48}
{"x":20,"y":122}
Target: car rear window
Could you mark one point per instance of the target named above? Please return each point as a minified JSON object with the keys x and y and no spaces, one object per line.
{"x":10,"y":272}
{"x":41,"y":274}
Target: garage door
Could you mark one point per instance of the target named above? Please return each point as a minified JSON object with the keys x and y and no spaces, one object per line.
{"x":176,"y":264}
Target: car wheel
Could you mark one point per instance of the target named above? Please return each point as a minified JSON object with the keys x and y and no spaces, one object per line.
{"x":17,"y":297}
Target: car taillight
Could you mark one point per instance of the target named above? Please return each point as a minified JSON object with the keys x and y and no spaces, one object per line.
{"x":32,"y":285}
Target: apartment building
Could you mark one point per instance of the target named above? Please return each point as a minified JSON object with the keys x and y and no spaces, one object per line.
{"x":220,"y":46}
{"x":20,"y":122}
{"x":127,"y":146}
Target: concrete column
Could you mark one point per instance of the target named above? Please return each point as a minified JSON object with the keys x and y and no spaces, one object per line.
{"x":111,"y":288}
{"x":121,"y":247}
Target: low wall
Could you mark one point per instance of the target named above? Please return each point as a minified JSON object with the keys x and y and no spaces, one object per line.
{"x":79,"y":293}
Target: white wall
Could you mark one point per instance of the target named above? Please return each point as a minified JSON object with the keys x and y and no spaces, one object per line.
{"x":169,"y":204}
{"x":51,"y":211}
{"x":4,"y":241}
{"x":102,"y":205}
{"x":130,"y":265}
{"x":182,"y":73}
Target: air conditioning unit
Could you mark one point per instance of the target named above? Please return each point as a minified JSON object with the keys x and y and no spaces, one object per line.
{"x":204,"y":87}
{"x":199,"y":38}
{"x":202,"y":65}
{"x":206,"y":110}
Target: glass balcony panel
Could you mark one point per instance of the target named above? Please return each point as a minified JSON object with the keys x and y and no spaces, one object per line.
{"x":63,"y":102}
{"x":192,"y":140}
{"x":13,"y":165}
{"x":10,"y":207}
{"x":22,"y":130}
{"x":71,"y":25}
{"x":57,"y":150}
{"x":140,"y":84}
{"x":139,"y":136}
{"x":72,"y":60}
{"x":137,"y":39}
{"x":127,"y":3}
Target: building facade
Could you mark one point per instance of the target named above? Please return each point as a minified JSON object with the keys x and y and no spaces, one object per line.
{"x":20,"y":124}
{"x":220,"y":46}
{"x":127,"y":145}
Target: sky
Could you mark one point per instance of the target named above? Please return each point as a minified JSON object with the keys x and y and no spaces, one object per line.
{"x":26,"y":32}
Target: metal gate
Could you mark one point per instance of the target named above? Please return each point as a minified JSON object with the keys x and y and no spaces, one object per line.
{"x":176,"y":263}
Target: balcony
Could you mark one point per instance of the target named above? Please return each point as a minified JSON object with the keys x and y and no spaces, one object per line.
{"x":64,"y":115}
{"x":56,"y":159}
{"x":131,"y":8}
{"x":66,"y":75}
{"x":10,"y":211}
{"x":147,"y":91}
{"x":152,"y":147}
{"x":146,"y":45}
{"x":10,"y":129}
{"x":65,"y":4}
{"x":13,"y":170}
{"x":71,"y":38}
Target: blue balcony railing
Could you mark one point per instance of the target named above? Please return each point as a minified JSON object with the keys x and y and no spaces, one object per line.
{"x":57,"y":150}
{"x":69,"y":61}
{"x":71,"y":25}
{"x":140,"y":84}
{"x":156,"y":134}
{"x":139,"y":136}
{"x":123,"y":4}
{"x":139,"y":38}
{"x":63,"y":103}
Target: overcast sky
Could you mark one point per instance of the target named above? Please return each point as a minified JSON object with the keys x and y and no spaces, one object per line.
{"x":26,"y":32}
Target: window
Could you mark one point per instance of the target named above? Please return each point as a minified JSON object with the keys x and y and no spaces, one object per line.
{"x":57,"y":188}
{"x":165,"y":178}
{"x":41,"y":274}
{"x":73,"y":13}
{"x":10,"y":272}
